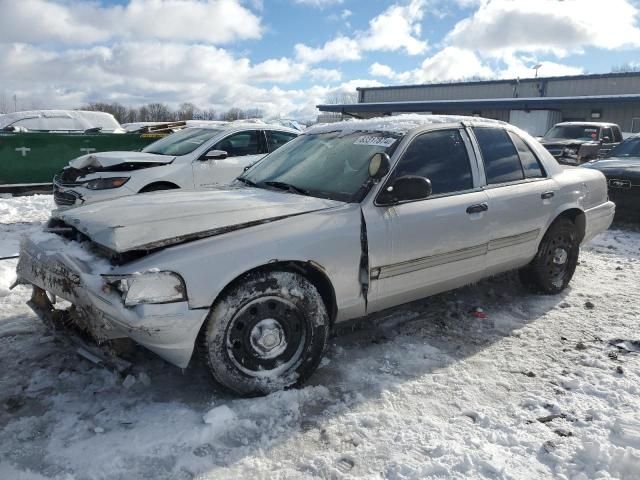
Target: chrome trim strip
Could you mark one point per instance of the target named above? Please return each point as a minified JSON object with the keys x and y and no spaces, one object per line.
{"x":428,"y":262}
{"x":504,"y":242}
{"x":409,"y":266}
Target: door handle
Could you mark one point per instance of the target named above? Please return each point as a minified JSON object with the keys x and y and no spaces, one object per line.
{"x":547,"y":195}
{"x":477,"y":208}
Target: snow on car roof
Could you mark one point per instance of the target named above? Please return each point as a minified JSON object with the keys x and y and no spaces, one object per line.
{"x":400,"y":124}
{"x":66,"y":120}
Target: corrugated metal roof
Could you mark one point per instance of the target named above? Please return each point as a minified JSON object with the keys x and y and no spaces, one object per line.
{"x":530,"y":103}
{"x":510,"y":80}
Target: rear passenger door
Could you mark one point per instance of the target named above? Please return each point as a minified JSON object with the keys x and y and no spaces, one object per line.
{"x":521,"y":197}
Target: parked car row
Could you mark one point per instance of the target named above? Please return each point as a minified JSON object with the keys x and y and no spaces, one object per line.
{"x":344,"y":220}
{"x":199,"y":157}
{"x":573,"y":143}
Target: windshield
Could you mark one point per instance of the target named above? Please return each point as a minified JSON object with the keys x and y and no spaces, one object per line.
{"x":331,"y":165}
{"x":574,"y":132}
{"x":182,"y":142}
{"x":628,"y":148}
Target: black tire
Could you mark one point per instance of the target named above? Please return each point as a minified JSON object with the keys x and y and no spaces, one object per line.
{"x":553,"y":267}
{"x":156,"y":187}
{"x":267,"y":333}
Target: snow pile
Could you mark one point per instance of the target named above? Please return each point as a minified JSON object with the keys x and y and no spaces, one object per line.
{"x":27,"y":209}
{"x":539,"y":387}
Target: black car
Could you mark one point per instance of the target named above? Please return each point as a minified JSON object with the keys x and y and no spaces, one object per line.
{"x":573,"y":143}
{"x":622,"y":169}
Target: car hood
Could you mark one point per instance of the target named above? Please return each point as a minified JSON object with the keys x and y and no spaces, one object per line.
{"x":617,"y":163}
{"x":156,"y":220}
{"x":618,"y":166}
{"x":111,"y":159}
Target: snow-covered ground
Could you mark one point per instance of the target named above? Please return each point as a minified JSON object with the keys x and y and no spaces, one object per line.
{"x":544,"y":387}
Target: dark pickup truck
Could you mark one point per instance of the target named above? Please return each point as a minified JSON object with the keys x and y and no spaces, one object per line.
{"x":573,"y":143}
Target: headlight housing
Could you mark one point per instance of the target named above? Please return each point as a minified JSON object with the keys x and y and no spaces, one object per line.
{"x":150,"y":287}
{"x":106,"y":183}
{"x":570,"y":152}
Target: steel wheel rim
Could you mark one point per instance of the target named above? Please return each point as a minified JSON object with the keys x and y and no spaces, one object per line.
{"x":559,"y":256}
{"x":266,"y":337}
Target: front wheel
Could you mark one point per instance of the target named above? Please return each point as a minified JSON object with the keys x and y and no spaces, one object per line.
{"x":553,"y":267}
{"x":266,"y":333}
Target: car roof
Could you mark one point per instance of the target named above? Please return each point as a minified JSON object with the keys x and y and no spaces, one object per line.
{"x":589,"y":124}
{"x":400,"y":124}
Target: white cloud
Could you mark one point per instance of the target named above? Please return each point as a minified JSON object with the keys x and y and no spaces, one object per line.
{"x":502,"y":27}
{"x":325,"y":75}
{"x":521,"y":67}
{"x":340,"y":49}
{"x":397,"y":28}
{"x":450,"y":63}
{"x":318,"y":3}
{"x":130,"y":73}
{"x":36,"y":21}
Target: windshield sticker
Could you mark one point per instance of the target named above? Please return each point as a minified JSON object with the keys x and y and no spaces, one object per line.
{"x":375,"y":141}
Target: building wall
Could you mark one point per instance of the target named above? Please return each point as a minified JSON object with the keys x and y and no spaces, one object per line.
{"x":611,"y":84}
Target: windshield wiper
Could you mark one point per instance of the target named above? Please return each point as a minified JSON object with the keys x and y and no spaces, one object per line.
{"x":247,"y":181}
{"x":288,"y":187}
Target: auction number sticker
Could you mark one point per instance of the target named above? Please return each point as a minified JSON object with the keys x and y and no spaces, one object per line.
{"x":375,"y":141}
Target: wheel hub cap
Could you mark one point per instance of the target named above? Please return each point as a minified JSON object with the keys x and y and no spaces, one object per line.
{"x":268,"y":339}
{"x":560,"y":256}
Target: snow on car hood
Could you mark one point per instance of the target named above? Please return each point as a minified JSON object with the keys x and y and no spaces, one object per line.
{"x":166,"y":218}
{"x":111,"y":159}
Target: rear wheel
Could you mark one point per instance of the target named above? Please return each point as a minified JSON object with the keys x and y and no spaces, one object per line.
{"x":555,"y":263}
{"x":266,"y":333}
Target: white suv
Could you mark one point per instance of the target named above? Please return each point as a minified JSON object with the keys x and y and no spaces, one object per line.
{"x":191,"y":158}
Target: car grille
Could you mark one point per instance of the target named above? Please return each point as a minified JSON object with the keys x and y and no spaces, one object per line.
{"x":625,"y":193}
{"x":64,"y":198}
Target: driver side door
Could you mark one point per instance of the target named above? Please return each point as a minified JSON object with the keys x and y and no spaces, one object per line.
{"x":421,"y":247}
{"x":243,"y":149}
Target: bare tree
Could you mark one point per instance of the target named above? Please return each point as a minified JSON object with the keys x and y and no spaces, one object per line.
{"x":234,"y":114}
{"x":341,"y":97}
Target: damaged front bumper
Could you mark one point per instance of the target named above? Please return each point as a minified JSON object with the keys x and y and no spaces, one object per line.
{"x":55,"y":265}
{"x":74,"y":195}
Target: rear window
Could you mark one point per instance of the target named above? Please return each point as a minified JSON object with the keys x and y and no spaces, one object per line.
{"x":528,"y":159}
{"x":500,"y":157}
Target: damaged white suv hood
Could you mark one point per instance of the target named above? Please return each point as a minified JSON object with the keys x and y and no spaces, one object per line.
{"x":111,"y":159}
{"x":165,"y":218}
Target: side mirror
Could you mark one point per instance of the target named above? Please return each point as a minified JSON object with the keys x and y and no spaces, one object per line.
{"x":606,"y":139}
{"x":407,"y":188}
{"x":215,"y":155}
{"x":379,"y":165}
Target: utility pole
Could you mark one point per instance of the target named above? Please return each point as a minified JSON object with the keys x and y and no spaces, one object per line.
{"x":15,"y":102}
{"x":536,"y":68}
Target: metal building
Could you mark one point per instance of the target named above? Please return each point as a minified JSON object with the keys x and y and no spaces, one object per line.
{"x":534,"y":104}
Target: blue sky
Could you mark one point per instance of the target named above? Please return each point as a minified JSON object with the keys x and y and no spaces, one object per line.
{"x":285,"y":56}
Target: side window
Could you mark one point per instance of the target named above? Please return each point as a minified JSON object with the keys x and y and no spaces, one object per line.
{"x":277,"y":139}
{"x":617,"y":135}
{"x":240,"y":144}
{"x":501,"y":161}
{"x":441,"y":157}
{"x":530,"y":163}
{"x":606,"y":132}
